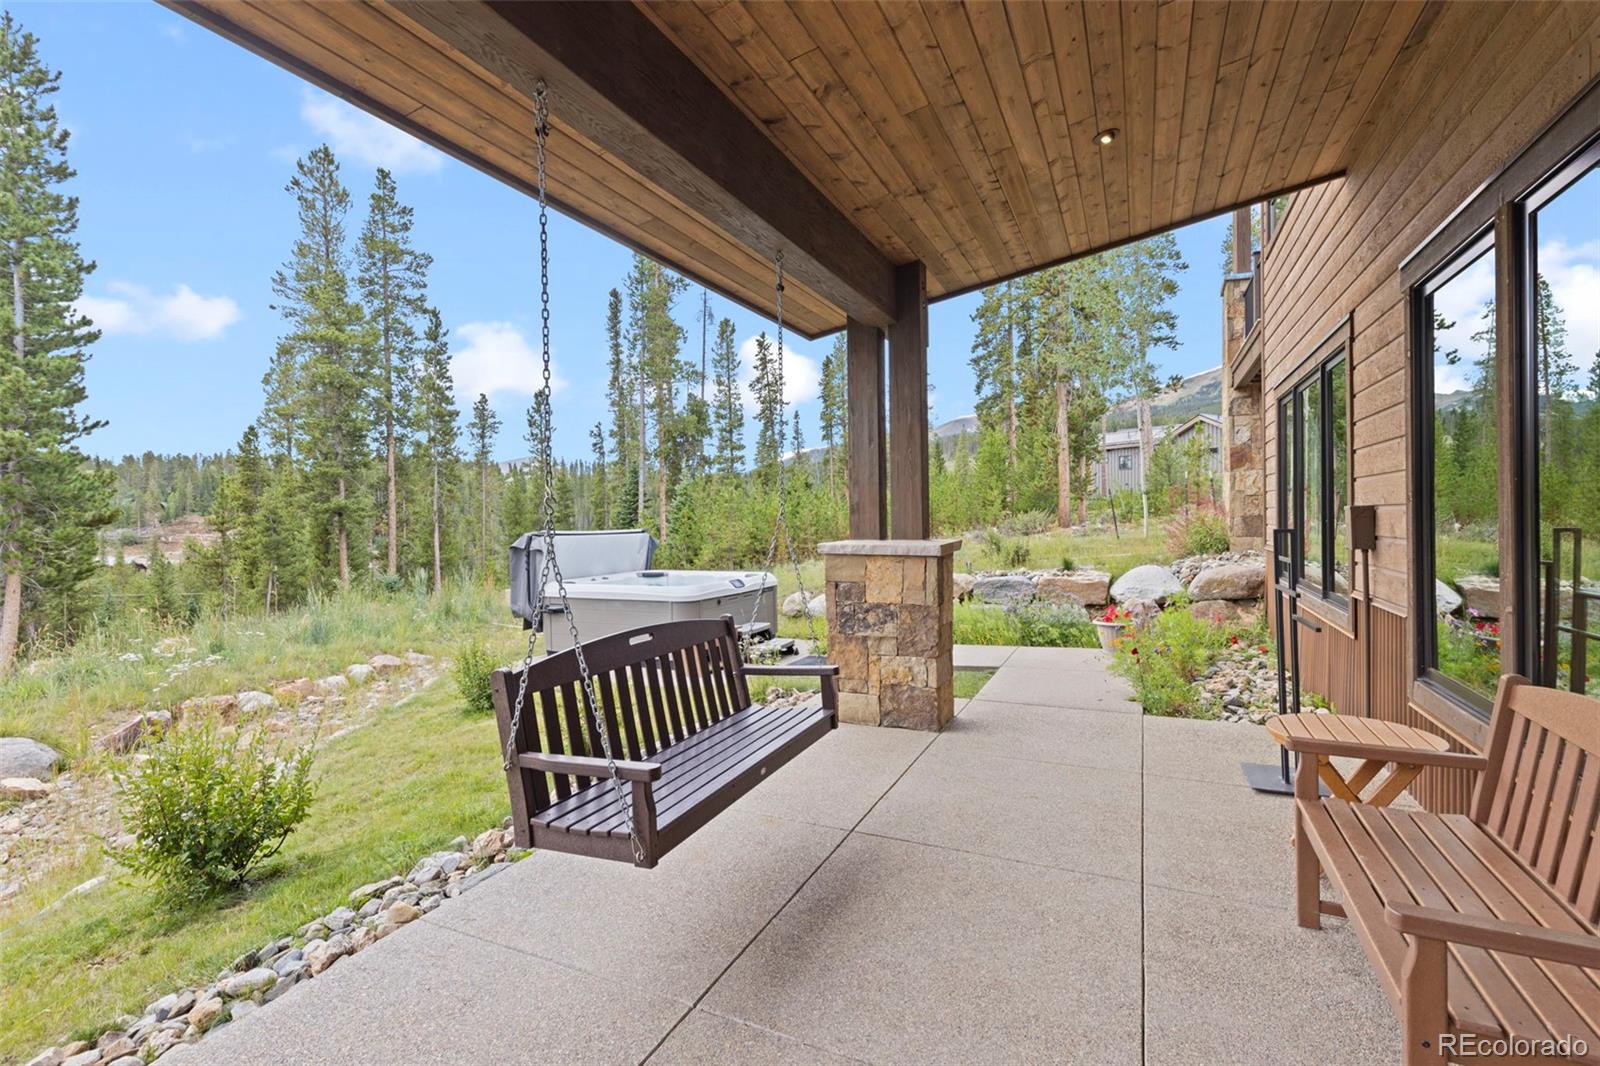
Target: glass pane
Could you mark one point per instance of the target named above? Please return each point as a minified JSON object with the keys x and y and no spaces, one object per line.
{"x":1308,"y":488}
{"x":1566,"y":350}
{"x":1466,"y":477}
{"x":1339,"y":415}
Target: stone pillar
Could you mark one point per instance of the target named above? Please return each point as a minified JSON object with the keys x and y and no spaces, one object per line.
{"x":890,"y":605}
{"x":1243,"y":452}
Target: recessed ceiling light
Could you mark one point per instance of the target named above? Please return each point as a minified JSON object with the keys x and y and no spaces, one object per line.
{"x":1105,"y":136}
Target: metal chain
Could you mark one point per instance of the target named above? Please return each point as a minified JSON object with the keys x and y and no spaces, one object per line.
{"x":781,"y":526}
{"x":550,"y":566}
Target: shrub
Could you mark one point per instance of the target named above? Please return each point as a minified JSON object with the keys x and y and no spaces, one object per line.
{"x":1067,"y":563}
{"x":1015,"y":554}
{"x":1165,"y":659}
{"x":1036,"y":627}
{"x":473,"y":672}
{"x":208,"y":808}
{"x":1199,"y":531}
{"x":1026,"y":523}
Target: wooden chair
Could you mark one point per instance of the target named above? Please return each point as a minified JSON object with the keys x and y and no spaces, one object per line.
{"x":685,"y":737}
{"x":1479,"y":925}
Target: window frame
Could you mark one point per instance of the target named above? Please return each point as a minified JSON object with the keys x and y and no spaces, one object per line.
{"x":1497,"y":213}
{"x":1330,"y":358}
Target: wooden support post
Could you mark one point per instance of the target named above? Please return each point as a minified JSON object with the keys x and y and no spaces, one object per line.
{"x":868,"y":472}
{"x":908,"y":406}
{"x":1243,"y":240}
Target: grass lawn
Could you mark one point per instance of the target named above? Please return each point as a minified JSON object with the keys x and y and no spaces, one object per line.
{"x":968,"y":682}
{"x":421,"y":774}
{"x":1100,"y":551}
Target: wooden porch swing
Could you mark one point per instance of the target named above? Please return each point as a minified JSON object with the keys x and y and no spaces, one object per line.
{"x":622,"y":747}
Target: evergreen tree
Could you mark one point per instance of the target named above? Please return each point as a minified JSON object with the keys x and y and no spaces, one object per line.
{"x":438,"y":434}
{"x":727,"y":414}
{"x":619,"y":398}
{"x":835,"y":412}
{"x":995,"y":366}
{"x":602,"y":488}
{"x":767,"y":386}
{"x":51,"y":499}
{"x":393,"y":278}
{"x":483,"y":432}
{"x":330,"y":346}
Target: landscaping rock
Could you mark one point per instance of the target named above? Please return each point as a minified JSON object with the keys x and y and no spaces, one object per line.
{"x":1230,"y":581}
{"x":251,"y":701}
{"x":290,"y":962}
{"x":1227,"y":612}
{"x":1148,"y":583}
{"x":396,"y":916}
{"x":376,"y":888}
{"x":1447,"y":600}
{"x":295,"y":691}
{"x":1086,"y":588}
{"x":226,"y":706}
{"x":1480,"y":592}
{"x":246,"y":984}
{"x":473,"y":880}
{"x":50,"y":1056}
{"x":23,"y":757}
{"x":333,"y":684}
{"x":123,"y":1060}
{"x":126,"y":736}
{"x":207,"y":1013}
{"x":387,"y":664}
{"x":434,"y":867}
{"x":243,"y":1009}
{"x":963,"y":586}
{"x":359,"y":673}
{"x":161,"y":1042}
{"x":1007,"y":590}
{"x":328,"y":953}
{"x":24,"y":788}
{"x":83,"y":1058}
{"x":794,"y":605}
{"x":185,"y":1003}
{"x":339,"y":918}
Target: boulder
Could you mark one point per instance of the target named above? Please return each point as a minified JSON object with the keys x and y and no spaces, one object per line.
{"x":794,"y":605}
{"x":117,"y":1047}
{"x":126,"y":736}
{"x":252,"y":702}
{"x":242,"y":985}
{"x":387,"y":664}
{"x":963,"y":586}
{"x":359,"y":673}
{"x":1481,"y":594}
{"x":416,"y":658}
{"x":1227,"y":612}
{"x":1085,"y":588}
{"x":398,"y":914}
{"x":332,"y":684}
{"x":327,"y":953}
{"x":1007,"y":590}
{"x":1148,"y":583}
{"x":818,"y":607}
{"x":207,"y":1013}
{"x":1230,"y":581}
{"x":226,"y":706}
{"x":1446,"y":600}
{"x":24,"y":788}
{"x":23,"y":757}
{"x":293,"y":692}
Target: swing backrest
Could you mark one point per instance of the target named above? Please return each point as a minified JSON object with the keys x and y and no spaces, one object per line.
{"x":657,"y":686}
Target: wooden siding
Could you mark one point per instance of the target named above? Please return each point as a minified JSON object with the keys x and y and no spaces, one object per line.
{"x":1416,"y":157}
{"x":1109,"y":475}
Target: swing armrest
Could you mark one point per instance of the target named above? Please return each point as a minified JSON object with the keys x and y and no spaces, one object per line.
{"x":828,"y":672}
{"x":583,"y":766}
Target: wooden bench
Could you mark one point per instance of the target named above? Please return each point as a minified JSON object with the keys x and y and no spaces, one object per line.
{"x":1479,"y":925}
{"x":686,"y":739}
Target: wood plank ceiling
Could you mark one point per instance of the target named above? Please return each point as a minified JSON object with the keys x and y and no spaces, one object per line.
{"x":963,"y":135}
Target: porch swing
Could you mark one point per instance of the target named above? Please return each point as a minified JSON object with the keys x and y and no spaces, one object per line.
{"x":622,"y":747}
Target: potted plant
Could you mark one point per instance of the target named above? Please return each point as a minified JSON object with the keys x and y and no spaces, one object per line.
{"x":1111,"y":625}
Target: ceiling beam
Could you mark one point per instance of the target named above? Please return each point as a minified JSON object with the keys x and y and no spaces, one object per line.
{"x":621,"y":83}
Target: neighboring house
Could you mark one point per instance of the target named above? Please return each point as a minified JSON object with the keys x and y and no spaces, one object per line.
{"x":1118,"y":469}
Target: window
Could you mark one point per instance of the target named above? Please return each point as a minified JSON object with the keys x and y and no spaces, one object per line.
{"x":1124,"y":461}
{"x":1314,"y":470}
{"x":1461,"y":462}
{"x":1505,"y":331}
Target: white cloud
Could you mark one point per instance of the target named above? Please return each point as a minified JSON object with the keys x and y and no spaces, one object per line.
{"x":493,"y":357}
{"x":357,"y":135}
{"x":1461,"y":302}
{"x":1573,"y":271}
{"x":182,"y":314}
{"x":802,"y":377}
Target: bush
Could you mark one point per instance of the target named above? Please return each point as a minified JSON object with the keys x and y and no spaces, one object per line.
{"x":1035,"y":627}
{"x":1027,"y":523}
{"x":1199,"y":531}
{"x":208,"y":808}
{"x":473,"y":672}
{"x":1165,"y":659}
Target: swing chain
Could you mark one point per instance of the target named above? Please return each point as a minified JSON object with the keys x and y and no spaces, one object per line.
{"x":551,"y":567}
{"x":782,"y":524}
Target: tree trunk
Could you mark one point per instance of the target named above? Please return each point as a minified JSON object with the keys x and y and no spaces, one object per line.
{"x":661,"y":465}
{"x":343,"y":538}
{"x":1063,"y":456}
{"x":639,"y":509}
{"x":438,"y":566}
{"x":394,"y":509}
{"x":10,"y":621}
{"x":1146,"y":443}
{"x":483,"y":516}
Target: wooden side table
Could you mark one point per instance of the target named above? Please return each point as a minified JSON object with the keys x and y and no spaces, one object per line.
{"x":1330,"y":732}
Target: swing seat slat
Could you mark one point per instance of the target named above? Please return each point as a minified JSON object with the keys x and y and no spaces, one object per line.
{"x":686,"y":739}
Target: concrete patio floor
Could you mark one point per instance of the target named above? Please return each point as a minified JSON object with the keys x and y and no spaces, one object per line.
{"x":1055,"y":878}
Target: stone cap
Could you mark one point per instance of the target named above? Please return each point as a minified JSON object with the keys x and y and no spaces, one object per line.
{"x":935,"y":547}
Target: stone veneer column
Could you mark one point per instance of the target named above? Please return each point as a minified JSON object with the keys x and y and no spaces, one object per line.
{"x":890,"y":605}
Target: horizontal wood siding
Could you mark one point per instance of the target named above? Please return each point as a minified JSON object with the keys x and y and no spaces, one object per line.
{"x":1471,"y":87}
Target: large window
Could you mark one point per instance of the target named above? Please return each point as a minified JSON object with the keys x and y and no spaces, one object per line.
{"x":1505,"y":328}
{"x":1314,"y":471}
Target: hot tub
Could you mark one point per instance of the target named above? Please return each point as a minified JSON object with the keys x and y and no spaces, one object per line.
{"x":609,"y":603}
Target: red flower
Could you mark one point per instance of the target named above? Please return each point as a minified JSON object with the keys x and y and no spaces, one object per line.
{"x":1135,"y":651}
{"x":1233,"y":639}
{"x":1263,"y":647}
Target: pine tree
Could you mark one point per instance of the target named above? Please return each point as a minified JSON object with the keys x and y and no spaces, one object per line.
{"x":1148,"y":282}
{"x":482,"y":433}
{"x":331,"y":347}
{"x":727,"y":413}
{"x":767,"y":386}
{"x":835,"y":414}
{"x":393,"y":278}
{"x":51,"y":500}
{"x":994,"y":364}
{"x":438,"y":434}
{"x":619,"y":393}
{"x":602,"y":502}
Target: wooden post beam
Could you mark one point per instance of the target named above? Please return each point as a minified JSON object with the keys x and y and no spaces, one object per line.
{"x":1243,"y":240}
{"x":617,"y":80}
{"x":868,"y":471}
{"x":909,"y":517}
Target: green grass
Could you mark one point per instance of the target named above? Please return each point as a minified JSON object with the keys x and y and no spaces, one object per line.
{"x":421,"y":774}
{"x":968,"y":682}
{"x":1100,"y":551}
{"x":1027,"y":627}
{"x":1457,"y":557}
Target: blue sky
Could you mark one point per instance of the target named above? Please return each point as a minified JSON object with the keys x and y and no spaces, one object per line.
{"x":183,"y":143}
